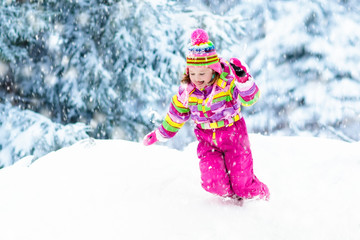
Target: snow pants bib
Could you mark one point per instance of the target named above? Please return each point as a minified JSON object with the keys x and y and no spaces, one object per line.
{"x":226,"y":162}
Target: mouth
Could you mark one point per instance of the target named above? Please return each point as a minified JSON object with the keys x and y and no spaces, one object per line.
{"x":200,"y":83}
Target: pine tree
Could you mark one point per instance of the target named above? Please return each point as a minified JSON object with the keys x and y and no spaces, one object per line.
{"x":26,"y":133}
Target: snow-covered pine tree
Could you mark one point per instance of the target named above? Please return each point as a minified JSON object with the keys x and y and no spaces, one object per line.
{"x":305,"y":63}
{"x":24,"y":133}
{"x":100,"y":62}
{"x":21,"y":27}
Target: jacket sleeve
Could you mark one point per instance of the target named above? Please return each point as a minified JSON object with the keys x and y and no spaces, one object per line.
{"x":176,"y":117}
{"x":248,"y":92}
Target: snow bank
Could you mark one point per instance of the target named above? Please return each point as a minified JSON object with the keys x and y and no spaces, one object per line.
{"x":102,"y":189}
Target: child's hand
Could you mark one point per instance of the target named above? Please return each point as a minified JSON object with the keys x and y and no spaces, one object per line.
{"x":150,"y":139}
{"x":242,"y":75}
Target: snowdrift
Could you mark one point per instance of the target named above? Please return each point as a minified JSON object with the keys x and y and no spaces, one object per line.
{"x":114,"y":189}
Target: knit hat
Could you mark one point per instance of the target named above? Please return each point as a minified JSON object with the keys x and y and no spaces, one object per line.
{"x":201,"y":52}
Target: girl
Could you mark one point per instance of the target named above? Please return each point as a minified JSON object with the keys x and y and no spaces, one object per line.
{"x":212,"y":93}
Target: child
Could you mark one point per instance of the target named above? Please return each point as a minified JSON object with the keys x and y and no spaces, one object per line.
{"x":211,"y":93}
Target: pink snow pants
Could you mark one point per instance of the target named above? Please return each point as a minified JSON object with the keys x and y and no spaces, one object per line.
{"x":226,"y":164}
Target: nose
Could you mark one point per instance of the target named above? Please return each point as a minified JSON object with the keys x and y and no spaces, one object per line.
{"x":197,"y":78}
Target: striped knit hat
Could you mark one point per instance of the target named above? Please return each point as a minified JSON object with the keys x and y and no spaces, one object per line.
{"x":201,"y":52}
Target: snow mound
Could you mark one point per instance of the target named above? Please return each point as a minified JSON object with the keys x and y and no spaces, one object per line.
{"x":114,"y":189}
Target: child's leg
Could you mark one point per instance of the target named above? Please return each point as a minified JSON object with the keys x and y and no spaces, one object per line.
{"x":239,"y":162}
{"x":214,"y":176}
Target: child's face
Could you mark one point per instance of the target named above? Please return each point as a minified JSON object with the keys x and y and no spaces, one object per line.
{"x":200,"y":77}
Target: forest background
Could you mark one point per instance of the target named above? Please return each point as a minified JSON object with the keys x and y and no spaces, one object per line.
{"x":73,"y":69}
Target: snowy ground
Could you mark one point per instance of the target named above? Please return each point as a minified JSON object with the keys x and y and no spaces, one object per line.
{"x":122,"y":190}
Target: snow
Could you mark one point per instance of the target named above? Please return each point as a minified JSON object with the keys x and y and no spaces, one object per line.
{"x":54,"y":42}
{"x":4,"y":68}
{"x":115,"y":189}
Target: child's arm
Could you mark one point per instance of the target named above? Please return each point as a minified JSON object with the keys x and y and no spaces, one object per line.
{"x":244,"y":86}
{"x":248,"y":92}
{"x":176,"y":117}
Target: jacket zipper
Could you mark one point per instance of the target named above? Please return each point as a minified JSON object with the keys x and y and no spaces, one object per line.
{"x":214,"y":137}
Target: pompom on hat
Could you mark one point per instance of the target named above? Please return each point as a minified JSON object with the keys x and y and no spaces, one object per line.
{"x":201,"y":52}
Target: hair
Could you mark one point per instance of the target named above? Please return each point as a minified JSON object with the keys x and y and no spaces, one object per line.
{"x":186,"y":79}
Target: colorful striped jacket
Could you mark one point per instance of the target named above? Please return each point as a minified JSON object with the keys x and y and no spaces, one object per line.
{"x":215,"y":106}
